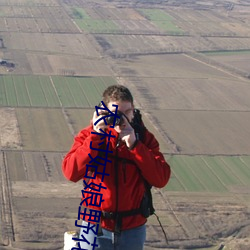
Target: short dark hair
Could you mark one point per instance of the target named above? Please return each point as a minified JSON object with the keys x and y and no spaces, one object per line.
{"x":117,"y":93}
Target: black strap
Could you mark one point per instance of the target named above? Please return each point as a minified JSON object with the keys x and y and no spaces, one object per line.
{"x":122,"y":214}
{"x":117,"y":218}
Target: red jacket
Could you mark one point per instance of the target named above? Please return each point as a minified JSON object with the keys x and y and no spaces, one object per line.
{"x":145,"y":157}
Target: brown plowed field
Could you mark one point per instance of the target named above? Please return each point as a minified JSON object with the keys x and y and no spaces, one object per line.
{"x":196,"y":104}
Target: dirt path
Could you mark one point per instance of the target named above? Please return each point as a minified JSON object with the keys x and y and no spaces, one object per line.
{"x":9,"y":132}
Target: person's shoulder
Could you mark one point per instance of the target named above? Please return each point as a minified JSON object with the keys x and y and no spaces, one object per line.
{"x":148,"y":133}
{"x":150,"y":139}
{"x":85,"y":131}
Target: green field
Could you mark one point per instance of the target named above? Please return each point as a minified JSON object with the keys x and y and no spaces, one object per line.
{"x":208,"y":173}
{"x":79,"y":13}
{"x":189,"y":173}
{"x":161,"y":19}
{"x":87,"y":23}
{"x":156,"y":15}
{"x":226,"y":53}
{"x":92,"y":25}
{"x":55,"y":91}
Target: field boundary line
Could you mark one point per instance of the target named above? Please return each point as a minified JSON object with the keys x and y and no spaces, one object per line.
{"x":232,"y":171}
{"x":182,"y":184}
{"x":71,"y":19}
{"x":244,"y":163}
{"x":197,"y":177}
{"x":216,"y":67}
{"x":214,"y":173}
{"x":42,"y":88}
{"x":83,"y":91}
{"x":27,"y":89}
{"x":65,"y":115}
{"x":7,"y":206}
{"x":79,"y":29}
{"x":69,"y":123}
{"x":96,"y":84}
{"x":175,"y":148}
{"x":41,"y":52}
{"x":203,"y":110}
{"x":14,"y":85}
{"x":171,"y":154}
{"x":54,"y":87}
{"x":25,"y":166}
{"x":142,"y":110}
{"x":69,"y":90}
{"x":174,"y":213}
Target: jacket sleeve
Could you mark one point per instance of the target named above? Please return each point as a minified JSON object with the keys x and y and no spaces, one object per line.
{"x":151,"y":161}
{"x":74,"y":163}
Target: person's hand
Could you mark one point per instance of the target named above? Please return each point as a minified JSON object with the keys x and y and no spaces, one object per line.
{"x":126,"y":133}
{"x":101,"y":124}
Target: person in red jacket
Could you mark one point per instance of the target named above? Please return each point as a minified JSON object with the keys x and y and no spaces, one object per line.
{"x":129,"y":163}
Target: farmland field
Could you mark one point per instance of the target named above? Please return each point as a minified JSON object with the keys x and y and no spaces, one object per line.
{"x":121,"y":44}
{"x":34,"y":166}
{"x":197,"y":86}
{"x":115,"y":14}
{"x":55,"y":91}
{"x":39,"y":130}
{"x":97,"y":25}
{"x":52,"y":44}
{"x":236,"y":59}
{"x":34,"y":17}
{"x":216,"y":132}
{"x":49,"y":25}
{"x":162,"y":20}
{"x":55,"y":54}
{"x":111,"y":20}
{"x":86,"y":23}
{"x":208,"y":22}
{"x":224,"y":43}
{"x":167,"y":65}
{"x":10,"y":136}
{"x":209,"y":173}
{"x":186,"y":63}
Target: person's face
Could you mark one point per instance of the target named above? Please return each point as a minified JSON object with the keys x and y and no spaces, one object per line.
{"x":125,"y":107}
